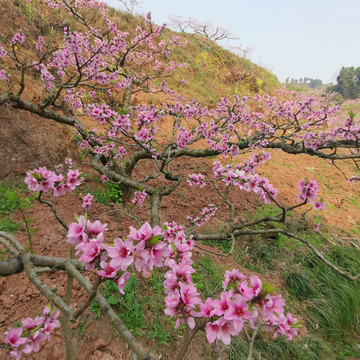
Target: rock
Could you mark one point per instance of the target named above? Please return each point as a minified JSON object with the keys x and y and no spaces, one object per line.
{"x":7,"y":301}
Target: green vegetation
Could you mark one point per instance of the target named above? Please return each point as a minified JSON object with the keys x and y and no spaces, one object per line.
{"x":303,"y":84}
{"x":208,"y":277}
{"x":328,"y":303}
{"x":141,"y":308}
{"x":12,"y":200}
{"x":307,"y":347}
{"x":107,"y":194}
{"x":348,"y":83}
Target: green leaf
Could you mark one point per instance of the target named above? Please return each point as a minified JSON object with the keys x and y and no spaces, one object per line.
{"x":154,"y":240}
{"x":268,"y":289}
{"x":174,"y":248}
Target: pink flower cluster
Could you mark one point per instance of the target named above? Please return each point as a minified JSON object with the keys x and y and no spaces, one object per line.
{"x":182,"y":297}
{"x":18,"y":38}
{"x":43,"y":180}
{"x":241,"y":175}
{"x":27,"y":338}
{"x":139,"y":197}
{"x":245,"y":301}
{"x":87,"y":201}
{"x":309,"y":190}
{"x":196,"y":179}
{"x":206,"y":214}
{"x":88,"y":239}
{"x":354,"y":178}
{"x":143,"y":248}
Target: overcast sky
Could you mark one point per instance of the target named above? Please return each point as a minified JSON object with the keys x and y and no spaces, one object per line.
{"x":312,"y":38}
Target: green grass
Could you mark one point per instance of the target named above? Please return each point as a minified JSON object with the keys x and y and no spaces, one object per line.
{"x":223,"y":245}
{"x":207,"y":277}
{"x":308,"y":347}
{"x":331,"y":302}
{"x":141,"y":308}
{"x":11,"y":200}
{"x":107,"y":194}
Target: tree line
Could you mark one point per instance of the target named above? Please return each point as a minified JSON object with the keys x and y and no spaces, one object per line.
{"x":348,"y":83}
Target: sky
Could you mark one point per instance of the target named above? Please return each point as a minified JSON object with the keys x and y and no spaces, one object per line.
{"x":295,"y":39}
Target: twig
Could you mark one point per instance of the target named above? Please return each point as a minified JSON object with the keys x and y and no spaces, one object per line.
{"x":58,"y":218}
{"x":251,"y":347}
{"x":123,"y":212}
{"x":189,"y":338}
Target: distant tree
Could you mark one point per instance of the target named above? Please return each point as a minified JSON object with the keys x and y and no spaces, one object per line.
{"x":348,"y":82}
{"x":130,"y":5}
{"x":287,"y":80}
{"x":314,"y":83}
{"x":206,"y":29}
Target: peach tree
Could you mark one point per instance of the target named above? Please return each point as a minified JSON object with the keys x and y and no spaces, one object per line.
{"x":93,"y":72}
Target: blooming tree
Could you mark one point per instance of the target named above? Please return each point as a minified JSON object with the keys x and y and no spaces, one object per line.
{"x":94,"y":71}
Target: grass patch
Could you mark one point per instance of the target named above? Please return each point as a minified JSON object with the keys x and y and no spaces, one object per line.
{"x":141,"y":308}
{"x":11,"y":200}
{"x":331,"y":302}
{"x":305,"y":348}
{"x":223,"y":245}
{"x":207,"y":277}
{"x":107,"y":194}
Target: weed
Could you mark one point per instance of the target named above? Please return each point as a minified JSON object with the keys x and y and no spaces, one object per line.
{"x":223,"y":245}
{"x":207,"y":277}
{"x":11,"y":200}
{"x":107,"y":194}
{"x":355,"y":202}
{"x":81,"y":329}
{"x":141,"y":308}
{"x":332,"y":302}
{"x":304,"y":348}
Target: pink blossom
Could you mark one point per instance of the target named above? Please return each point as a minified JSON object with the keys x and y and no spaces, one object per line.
{"x":3,"y":75}
{"x":73,"y":179}
{"x":232,"y":278}
{"x":122,"y":280}
{"x":121,"y":253}
{"x":91,"y":249}
{"x":318,"y":205}
{"x":108,"y":270}
{"x":207,"y":308}
{"x":172,"y":302}
{"x":308,"y":190}
{"x":18,"y":38}
{"x":13,"y":337}
{"x":222,"y":305}
{"x":144,"y":234}
{"x":30,"y":323}
{"x":196,"y":179}
{"x":157,"y":254}
{"x":238,"y":310}
{"x":285,"y":326}
{"x":95,"y":228}
{"x":87,"y":201}
{"x":139,"y":197}
{"x":189,"y":294}
{"x":250,"y":292}
{"x":272,"y":304}
{"x":76,"y":232}
{"x":222,"y":330}
{"x":3,"y":52}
